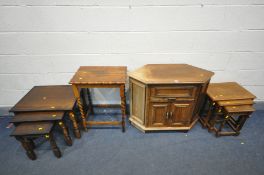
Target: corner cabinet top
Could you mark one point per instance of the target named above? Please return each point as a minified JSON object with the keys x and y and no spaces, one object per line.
{"x":171,"y":74}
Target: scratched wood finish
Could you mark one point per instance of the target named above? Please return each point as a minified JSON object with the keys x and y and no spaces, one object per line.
{"x":100,"y":75}
{"x":228,"y":91}
{"x":47,"y":98}
{"x":36,"y":128}
{"x":165,"y":97}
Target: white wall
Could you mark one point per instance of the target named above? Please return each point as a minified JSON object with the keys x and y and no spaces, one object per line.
{"x":44,"y":42}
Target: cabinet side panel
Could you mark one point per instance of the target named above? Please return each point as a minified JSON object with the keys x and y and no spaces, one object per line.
{"x":138,"y":101}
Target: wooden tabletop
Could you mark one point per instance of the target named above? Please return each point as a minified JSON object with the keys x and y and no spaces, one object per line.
{"x":239,"y":109}
{"x":37,"y":116}
{"x":228,"y":91}
{"x":35,"y":128}
{"x":47,"y":98}
{"x":235,"y":102}
{"x":171,"y":74}
{"x":100,"y":75}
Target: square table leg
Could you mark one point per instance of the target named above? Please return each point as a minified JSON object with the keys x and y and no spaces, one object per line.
{"x":214,"y":117}
{"x":241,"y":121}
{"x":222,"y":124}
{"x":205,"y":114}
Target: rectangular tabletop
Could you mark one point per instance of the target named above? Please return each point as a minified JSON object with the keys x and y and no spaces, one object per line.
{"x":100,"y":75}
{"x":228,"y":91}
{"x":47,"y":98}
{"x":235,"y":102}
{"x":37,"y":116}
{"x":35,"y":128}
{"x":239,"y":109}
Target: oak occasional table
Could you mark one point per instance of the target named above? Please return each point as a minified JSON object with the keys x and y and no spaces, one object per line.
{"x":100,"y":77}
{"x":167,"y":96}
{"x":227,"y":103}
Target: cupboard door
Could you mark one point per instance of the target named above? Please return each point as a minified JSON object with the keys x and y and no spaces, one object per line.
{"x":181,"y":113}
{"x":158,"y":114}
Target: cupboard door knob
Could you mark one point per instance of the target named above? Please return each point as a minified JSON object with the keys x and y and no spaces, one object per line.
{"x":167,"y":115}
{"x":171,"y":114}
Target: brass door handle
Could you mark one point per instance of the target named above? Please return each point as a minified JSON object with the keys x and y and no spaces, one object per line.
{"x":167,"y":115}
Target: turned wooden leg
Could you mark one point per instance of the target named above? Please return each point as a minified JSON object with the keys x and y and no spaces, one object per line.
{"x":85,"y":106}
{"x":28,"y":147}
{"x":77,"y":96}
{"x":123,"y":106}
{"x":53,"y":145}
{"x":65,"y":132}
{"x":76,"y":130}
{"x":82,"y":114}
{"x":90,"y":101}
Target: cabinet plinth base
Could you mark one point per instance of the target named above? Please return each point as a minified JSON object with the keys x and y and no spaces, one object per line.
{"x":150,"y":129}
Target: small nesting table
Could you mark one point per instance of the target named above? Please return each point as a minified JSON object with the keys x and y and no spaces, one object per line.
{"x":243,"y":112}
{"x":54,"y":117}
{"x":27,"y":132}
{"x":100,"y":77}
{"x":227,"y":103}
{"x":42,"y":99}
